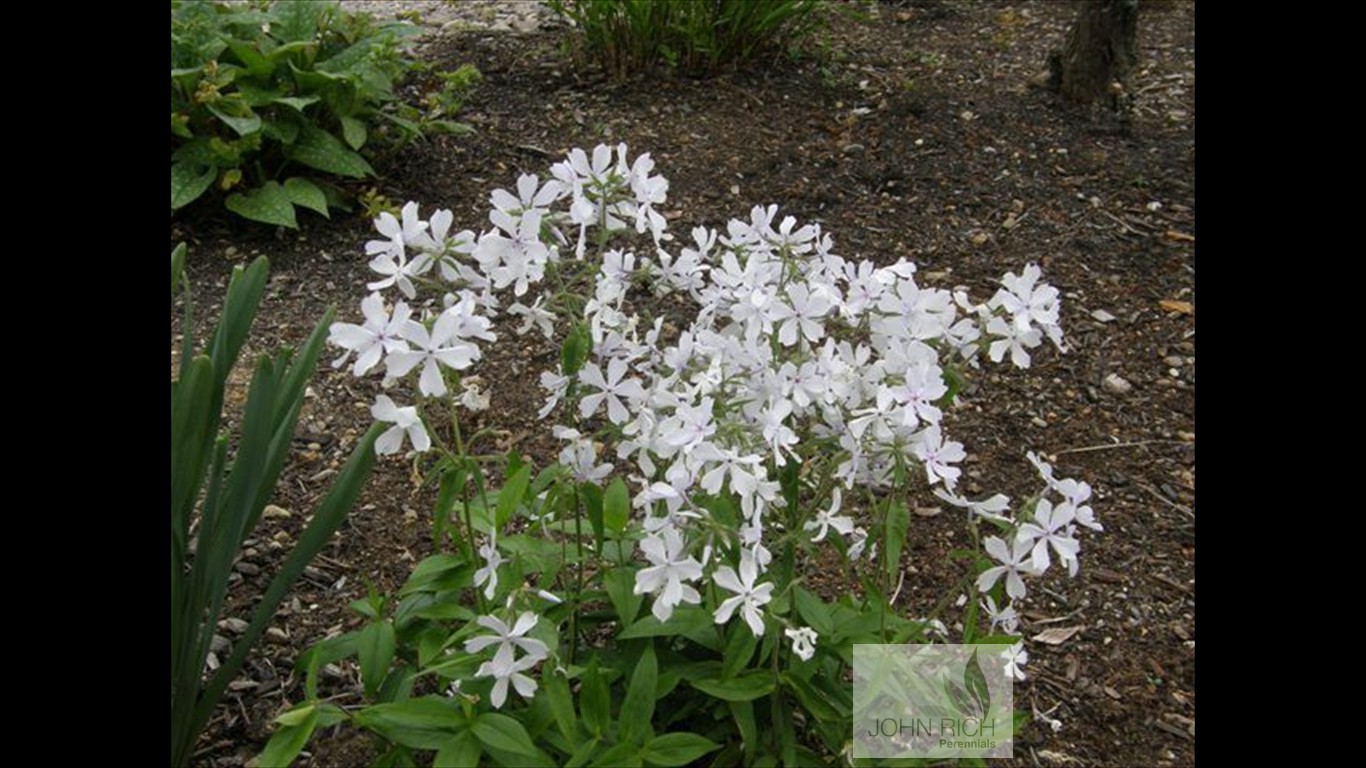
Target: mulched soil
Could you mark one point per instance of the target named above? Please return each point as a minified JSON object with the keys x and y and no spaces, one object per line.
{"x":958,"y":165}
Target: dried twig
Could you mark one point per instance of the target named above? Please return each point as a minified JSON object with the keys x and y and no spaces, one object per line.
{"x":1123,"y":223}
{"x":1107,"y":446}
{"x":1167,"y":501}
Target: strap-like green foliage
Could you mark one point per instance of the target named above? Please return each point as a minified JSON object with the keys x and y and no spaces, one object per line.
{"x":238,"y":488}
{"x":699,"y":38}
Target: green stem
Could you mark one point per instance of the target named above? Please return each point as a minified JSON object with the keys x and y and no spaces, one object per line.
{"x":578,"y":577}
{"x":479,"y":484}
{"x":886,"y":573}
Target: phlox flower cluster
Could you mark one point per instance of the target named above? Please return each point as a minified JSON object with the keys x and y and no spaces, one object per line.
{"x":469,"y":271}
{"x":792,"y":346}
{"x":791,"y":353}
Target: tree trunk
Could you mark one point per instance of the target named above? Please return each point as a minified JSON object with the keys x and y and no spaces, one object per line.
{"x":1100,"y":55}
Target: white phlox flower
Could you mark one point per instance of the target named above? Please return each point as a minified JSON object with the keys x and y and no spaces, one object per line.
{"x":432,"y":349}
{"x":749,"y":598}
{"x":611,"y":389}
{"x":488,"y":573}
{"x":936,"y":455}
{"x":667,"y":574}
{"x":406,"y":422}
{"x":990,"y":509}
{"x":803,"y":642}
{"x":411,"y":231}
{"x":1016,"y":561}
{"x":827,"y":519}
{"x":1016,"y":656}
{"x":380,"y":335}
{"x":1052,"y":528}
{"x":505,"y":668}
{"x":534,"y":315}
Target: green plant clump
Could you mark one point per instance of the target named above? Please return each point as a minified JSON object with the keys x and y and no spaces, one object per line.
{"x":210,"y":520}
{"x":269,"y":101}
{"x":698,"y":37}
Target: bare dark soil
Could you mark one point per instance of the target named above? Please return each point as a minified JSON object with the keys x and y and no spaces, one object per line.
{"x":958,"y":165}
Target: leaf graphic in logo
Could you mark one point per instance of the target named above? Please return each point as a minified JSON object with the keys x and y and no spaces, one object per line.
{"x":956,"y":693}
{"x":975,"y":680}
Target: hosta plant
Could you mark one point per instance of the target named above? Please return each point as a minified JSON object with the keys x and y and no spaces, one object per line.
{"x":737,"y":413}
{"x":272,"y":103}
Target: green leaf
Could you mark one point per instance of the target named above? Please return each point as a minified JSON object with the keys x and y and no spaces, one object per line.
{"x":297,"y":715}
{"x":591,"y":496}
{"x":583,"y":754}
{"x":620,"y":584}
{"x":425,"y":723}
{"x":575,"y":350}
{"x":510,"y":497}
{"x":743,"y":712}
{"x":243,"y":124}
{"x":638,"y":708}
{"x":254,"y":95}
{"x":458,"y":752}
{"x":813,"y":611}
{"x":188,"y":181}
{"x":723,"y":510}
{"x":289,"y":740}
{"x":674,"y":749}
{"x":353,"y":131}
{"x":269,"y":204}
{"x":251,"y":59}
{"x":594,"y":701}
{"x":283,"y":131}
{"x":898,"y":522}
{"x":556,"y":687}
{"x":453,"y":480}
{"x":625,"y":755}
{"x":954,"y":381}
{"x":616,"y":506}
{"x":743,"y":688}
{"x":321,"y":654}
{"x":319,"y":149}
{"x":817,"y":702}
{"x":296,"y":102}
{"x":429,"y":570}
{"x":789,"y":478}
{"x":739,"y":650}
{"x":177,"y":266}
{"x":376,"y":645}
{"x":502,"y":732}
{"x":330,"y":714}
{"x":301,"y":191}
{"x":297,"y":21}
{"x":688,"y":621}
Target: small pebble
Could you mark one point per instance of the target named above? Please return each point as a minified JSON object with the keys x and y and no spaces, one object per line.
{"x":1116,"y":384}
{"x":234,"y":625}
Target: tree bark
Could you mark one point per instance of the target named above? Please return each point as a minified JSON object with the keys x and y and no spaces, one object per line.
{"x":1100,"y":54}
